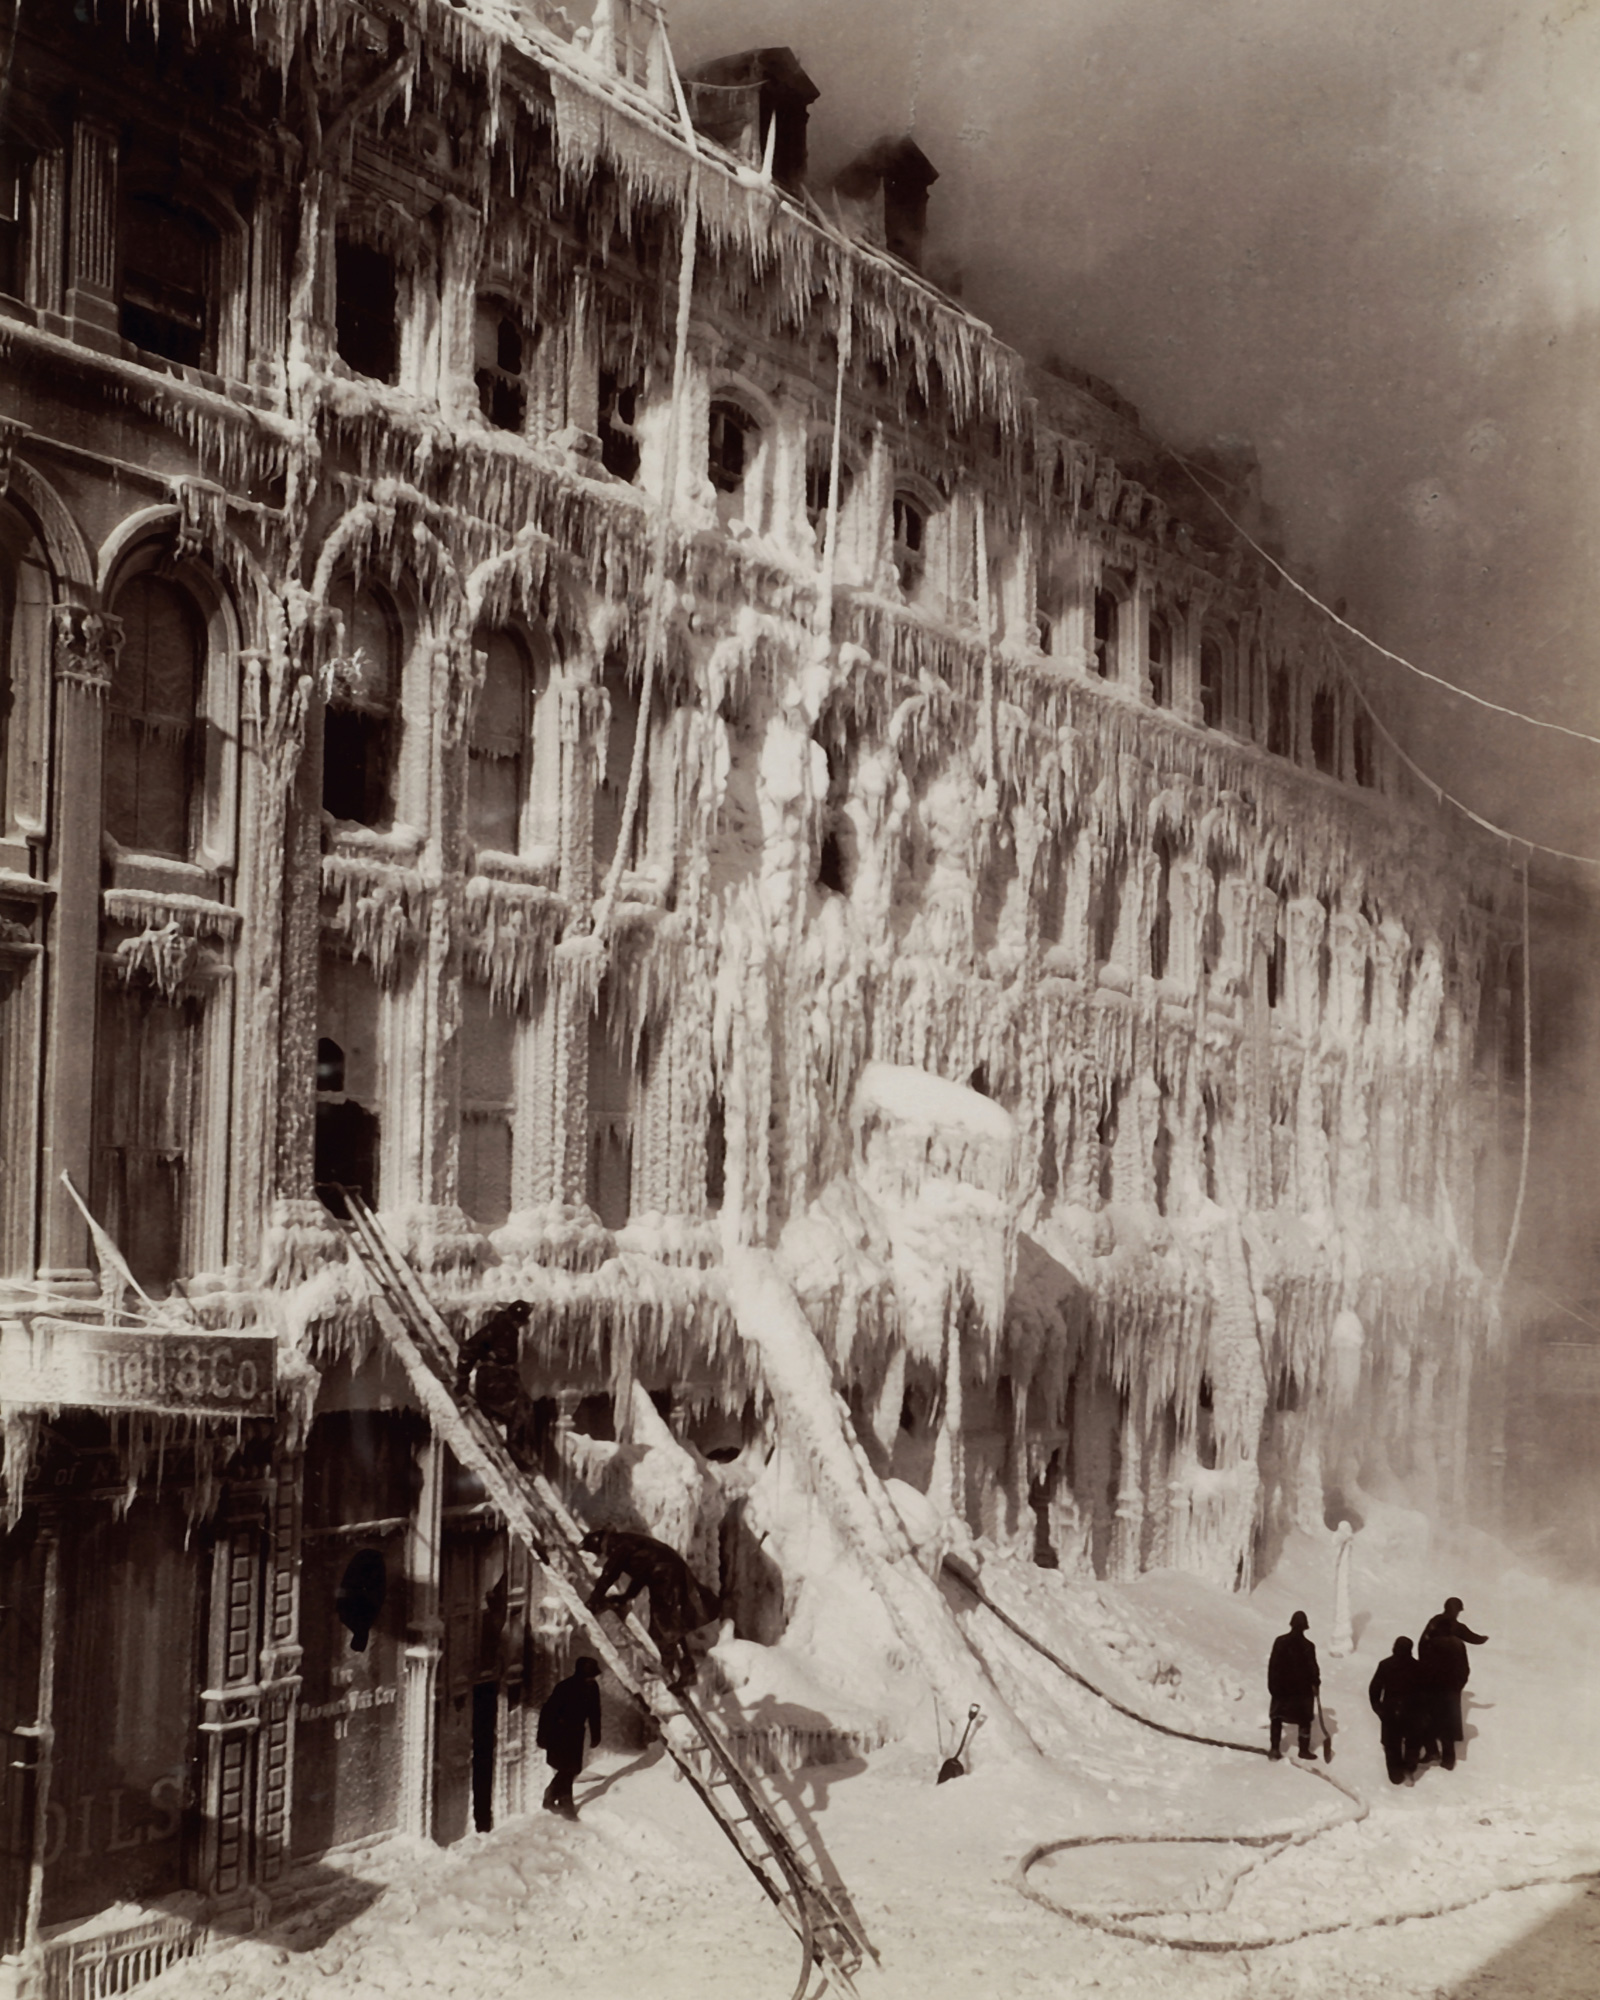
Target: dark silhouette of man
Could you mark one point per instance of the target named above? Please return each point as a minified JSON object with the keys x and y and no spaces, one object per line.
{"x":1293,"y":1679}
{"x":573,"y":1707}
{"x":679,"y":1602}
{"x":1442,"y":1657}
{"x":489,"y":1368}
{"x":1398,"y":1701}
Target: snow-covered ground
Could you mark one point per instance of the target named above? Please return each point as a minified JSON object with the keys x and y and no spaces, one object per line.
{"x":642,"y":1899}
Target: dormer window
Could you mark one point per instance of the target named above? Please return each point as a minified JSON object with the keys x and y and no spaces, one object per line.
{"x":619,"y":441}
{"x":910,"y":551}
{"x":168,"y":274}
{"x":501,"y":351}
{"x":366,"y":310}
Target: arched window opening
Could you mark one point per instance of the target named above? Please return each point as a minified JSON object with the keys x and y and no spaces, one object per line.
{"x":1280,"y":713}
{"x":910,"y":555}
{"x":1325,"y":731}
{"x":619,"y":413}
{"x":819,"y":477}
{"x":1106,"y":613}
{"x":169,"y":262}
{"x":358,"y":725}
{"x":150,"y":754}
{"x":1363,"y":750}
{"x":730,"y":455}
{"x":1212,"y":706}
{"x":366,"y":310}
{"x":500,"y":749}
{"x":502,"y":349}
{"x":1160,"y":644}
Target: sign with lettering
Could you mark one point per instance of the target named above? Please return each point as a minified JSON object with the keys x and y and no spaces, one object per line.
{"x":184,"y":1373}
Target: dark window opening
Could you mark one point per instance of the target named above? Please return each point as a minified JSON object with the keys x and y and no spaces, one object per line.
{"x":499,"y":750}
{"x":1049,"y":1160}
{"x":1325,"y":731}
{"x":330,"y":1065}
{"x":716,"y":1152}
{"x":1107,"y":913}
{"x":15,"y":170}
{"x":1367,"y":985}
{"x":168,"y":266}
{"x":1362,"y":750}
{"x":1161,"y":923}
{"x":1160,"y":663}
{"x":360,"y":1597}
{"x":1045,"y":633}
{"x":1105,"y":632}
{"x":910,"y":537}
{"x":144,"y":1096}
{"x":151,"y":738}
{"x":367,"y":310}
{"x":346,"y":1153}
{"x":485,"y":1727}
{"x":1278,"y":960}
{"x":1211,"y":930}
{"x":619,"y":441}
{"x":359,"y":725}
{"x":499,"y":351}
{"x":830,"y":865}
{"x":819,"y":477}
{"x":1280,"y":713}
{"x":729,"y":450}
{"x":1211,"y":705}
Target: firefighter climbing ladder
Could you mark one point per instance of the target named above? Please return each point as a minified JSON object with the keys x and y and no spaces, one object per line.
{"x":769,"y":1841}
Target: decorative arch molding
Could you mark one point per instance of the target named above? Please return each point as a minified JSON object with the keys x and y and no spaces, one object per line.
{"x":68,"y":549}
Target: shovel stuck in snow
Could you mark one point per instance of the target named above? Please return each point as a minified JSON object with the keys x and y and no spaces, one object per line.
{"x":952,"y":1767}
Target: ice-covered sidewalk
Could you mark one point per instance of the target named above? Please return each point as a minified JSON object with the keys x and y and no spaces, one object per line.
{"x":643,"y":1896}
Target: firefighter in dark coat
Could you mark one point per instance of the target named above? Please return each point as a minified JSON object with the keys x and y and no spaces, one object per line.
{"x":1398,"y":1701}
{"x":490,"y":1367}
{"x":1442,"y":1657}
{"x":573,"y":1707}
{"x":679,"y":1602}
{"x":1293,"y":1679}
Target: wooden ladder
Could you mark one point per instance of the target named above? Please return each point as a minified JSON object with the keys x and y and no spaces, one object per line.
{"x":766,"y":1834}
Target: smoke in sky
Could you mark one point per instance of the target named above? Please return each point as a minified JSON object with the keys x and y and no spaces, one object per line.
{"x":1357,"y":236}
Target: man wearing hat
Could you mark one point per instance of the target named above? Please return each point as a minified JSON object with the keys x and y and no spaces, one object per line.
{"x":1442,"y":1657}
{"x":1293,"y":1679}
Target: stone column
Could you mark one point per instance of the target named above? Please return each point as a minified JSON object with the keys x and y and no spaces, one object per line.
{"x":85,"y":649}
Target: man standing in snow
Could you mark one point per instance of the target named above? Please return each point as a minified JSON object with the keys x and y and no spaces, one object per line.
{"x":573,"y":1707}
{"x":1396,"y":1694}
{"x":1293,"y":1679}
{"x":1442,"y":1657}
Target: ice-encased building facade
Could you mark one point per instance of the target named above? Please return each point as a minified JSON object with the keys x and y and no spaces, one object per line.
{"x":555,"y":680}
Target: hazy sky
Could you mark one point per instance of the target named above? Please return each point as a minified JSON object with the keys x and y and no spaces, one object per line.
{"x":1357,"y":233}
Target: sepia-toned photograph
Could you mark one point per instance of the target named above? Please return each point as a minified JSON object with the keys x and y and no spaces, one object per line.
{"x":799,"y":1000}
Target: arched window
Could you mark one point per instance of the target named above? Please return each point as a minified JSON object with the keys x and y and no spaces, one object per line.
{"x":500,"y":754}
{"x":359,"y":723}
{"x":1107,"y":611}
{"x":150,"y":749}
{"x":910,"y":552}
{"x":732,"y":443}
{"x":619,"y":414}
{"x":1212,"y":705}
{"x":502,"y":350}
{"x":169,"y":277}
{"x":1160,"y":660}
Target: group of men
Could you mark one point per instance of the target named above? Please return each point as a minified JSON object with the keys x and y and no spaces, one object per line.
{"x":1415,"y":1696}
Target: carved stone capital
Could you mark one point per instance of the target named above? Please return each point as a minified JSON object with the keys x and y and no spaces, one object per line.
{"x":86,"y":645}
